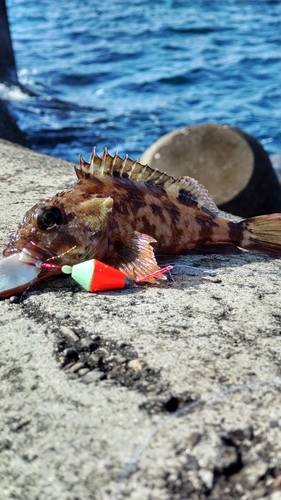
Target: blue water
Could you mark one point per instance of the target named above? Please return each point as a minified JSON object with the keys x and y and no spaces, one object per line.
{"x":122,"y":73}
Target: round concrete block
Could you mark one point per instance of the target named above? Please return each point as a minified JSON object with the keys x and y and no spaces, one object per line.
{"x":231,"y":164}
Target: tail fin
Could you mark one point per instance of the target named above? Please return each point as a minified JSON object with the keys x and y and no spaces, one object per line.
{"x":261,"y":234}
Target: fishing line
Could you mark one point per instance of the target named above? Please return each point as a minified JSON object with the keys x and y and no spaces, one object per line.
{"x":95,"y":276}
{"x":186,"y":266}
{"x":194,"y":268}
{"x":210,"y":398}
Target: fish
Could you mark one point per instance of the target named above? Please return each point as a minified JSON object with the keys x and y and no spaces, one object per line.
{"x":124,"y":214}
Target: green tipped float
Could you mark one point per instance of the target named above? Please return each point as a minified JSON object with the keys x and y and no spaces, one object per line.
{"x":95,"y":276}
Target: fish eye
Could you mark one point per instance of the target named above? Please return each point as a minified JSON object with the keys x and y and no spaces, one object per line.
{"x":48,"y":217}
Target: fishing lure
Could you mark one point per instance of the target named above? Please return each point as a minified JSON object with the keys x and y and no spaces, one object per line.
{"x":16,"y":275}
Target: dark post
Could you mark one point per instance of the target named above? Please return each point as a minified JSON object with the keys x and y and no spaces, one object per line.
{"x":8,"y":71}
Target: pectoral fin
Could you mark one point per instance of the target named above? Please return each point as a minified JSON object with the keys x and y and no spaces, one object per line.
{"x":134,"y":256}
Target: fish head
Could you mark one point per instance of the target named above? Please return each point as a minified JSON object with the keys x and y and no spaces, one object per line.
{"x":65,"y":229}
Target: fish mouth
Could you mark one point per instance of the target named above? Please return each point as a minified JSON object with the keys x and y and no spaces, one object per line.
{"x":30,"y":252}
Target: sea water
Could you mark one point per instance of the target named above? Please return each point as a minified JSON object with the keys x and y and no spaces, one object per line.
{"x":121,"y":74}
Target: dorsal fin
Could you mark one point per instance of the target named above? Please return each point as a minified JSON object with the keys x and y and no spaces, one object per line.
{"x":115,"y":166}
{"x":187,"y":186}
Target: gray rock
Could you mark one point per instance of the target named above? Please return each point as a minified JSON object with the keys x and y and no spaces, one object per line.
{"x":251,"y":474}
{"x":9,"y":129}
{"x":207,"y":478}
{"x":93,"y":376}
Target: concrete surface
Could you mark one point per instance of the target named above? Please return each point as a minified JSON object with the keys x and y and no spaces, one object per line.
{"x":93,"y":387}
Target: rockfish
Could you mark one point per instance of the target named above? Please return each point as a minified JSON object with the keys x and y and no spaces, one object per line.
{"x":123,"y":213}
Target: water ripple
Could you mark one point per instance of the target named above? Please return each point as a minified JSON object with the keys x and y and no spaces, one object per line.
{"x":121,"y":74}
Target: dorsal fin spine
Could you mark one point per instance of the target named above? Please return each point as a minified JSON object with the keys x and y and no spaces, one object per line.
{"x":113,"y":163}
{"x":82,"y":163}
{"x":123,"y":166}
{"x":92,"y":162}
{"x":142,"y":172}
{"x":103,"y":160}
{"x":133,"y":168}
{"x":150,"y":177}
{"x":160,"y":178}
{"x":135,"y":171}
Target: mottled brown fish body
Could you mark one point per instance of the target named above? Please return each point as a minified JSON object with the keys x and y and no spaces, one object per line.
{"x":177,"y":224}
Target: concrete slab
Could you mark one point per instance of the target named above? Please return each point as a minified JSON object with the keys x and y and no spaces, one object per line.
{"x":160,"y":392}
